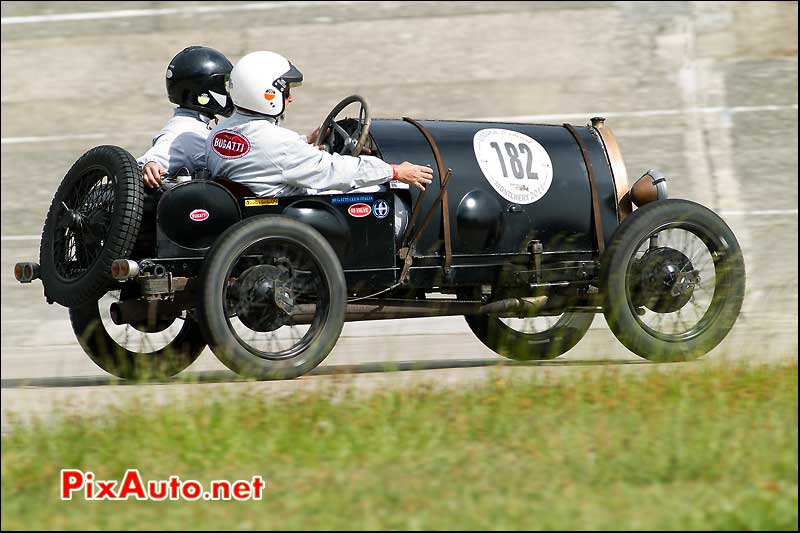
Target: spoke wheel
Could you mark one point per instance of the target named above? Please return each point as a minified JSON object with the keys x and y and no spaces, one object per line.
{"x":531,"y":339}
{"x":257,"y":276}
{"x":94,"y":219}
{"x":131,"y":352}
{"x":674,"y":279}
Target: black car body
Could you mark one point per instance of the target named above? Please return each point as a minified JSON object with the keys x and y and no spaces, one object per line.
{"x":521,"y":221}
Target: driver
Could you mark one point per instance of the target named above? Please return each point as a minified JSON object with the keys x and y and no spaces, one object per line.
{"x":252,"y":148}
{"x":196,"y":82}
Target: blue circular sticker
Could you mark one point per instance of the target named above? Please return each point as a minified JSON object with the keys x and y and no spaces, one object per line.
{"x":380,"y":209}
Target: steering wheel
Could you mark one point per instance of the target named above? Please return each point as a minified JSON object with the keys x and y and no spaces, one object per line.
{"x":353,"y":142}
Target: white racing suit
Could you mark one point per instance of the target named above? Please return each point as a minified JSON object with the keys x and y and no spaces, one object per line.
{"x":275,"y":161}
{"x":180,"y":143}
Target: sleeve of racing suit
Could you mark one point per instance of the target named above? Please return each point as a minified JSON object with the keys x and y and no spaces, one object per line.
{"x":173,"y":150}
{"x":160,"y":152}
{"x":304,"y":165}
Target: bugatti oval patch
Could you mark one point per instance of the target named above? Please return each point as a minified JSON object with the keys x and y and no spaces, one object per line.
{"x":359,"y":210}
{"x":229,"y":144}
{"x":199,"y":215}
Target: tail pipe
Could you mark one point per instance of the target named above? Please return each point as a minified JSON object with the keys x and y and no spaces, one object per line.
{"x":26,"y":272}
{"x":123,"y":269}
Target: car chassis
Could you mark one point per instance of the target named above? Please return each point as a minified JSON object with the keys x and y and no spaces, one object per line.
{"x":522,"y":222}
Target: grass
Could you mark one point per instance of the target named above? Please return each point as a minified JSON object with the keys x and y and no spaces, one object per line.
{"x":714,"y":448}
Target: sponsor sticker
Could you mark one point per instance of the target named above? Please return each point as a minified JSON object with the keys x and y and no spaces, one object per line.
{"x":229,"y":144}
{"x":359,"y":210}
{"x":257,"y":202}
{"x":269,"y":96}
{"x":199,"y":215}
{"x":515,"y":165}
{"x":352,"y":198}
{"x":203,"y":99}
{"x":380,"y":209}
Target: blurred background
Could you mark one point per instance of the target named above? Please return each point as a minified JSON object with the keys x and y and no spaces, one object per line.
{"x":704,"y":91}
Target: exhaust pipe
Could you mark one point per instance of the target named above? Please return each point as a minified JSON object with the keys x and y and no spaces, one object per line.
{"x":139,"y":310}
{"x":26,"y":272}
{"x":381,"y":310}
{"x":514,"y":307}
{"x":123,"y":269}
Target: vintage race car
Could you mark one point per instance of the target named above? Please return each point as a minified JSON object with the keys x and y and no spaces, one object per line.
{"x":528,"y":231}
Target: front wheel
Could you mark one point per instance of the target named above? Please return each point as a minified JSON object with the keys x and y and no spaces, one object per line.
{"x":674,"y":279}
{"x":259,"y":277}
{"x":530,"y":339}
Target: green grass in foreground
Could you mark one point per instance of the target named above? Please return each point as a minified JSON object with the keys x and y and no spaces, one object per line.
{"x":714,"y":448}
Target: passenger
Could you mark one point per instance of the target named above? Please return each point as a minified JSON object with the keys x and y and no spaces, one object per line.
{"x":196,"y":82}
{"x":252,"y":148}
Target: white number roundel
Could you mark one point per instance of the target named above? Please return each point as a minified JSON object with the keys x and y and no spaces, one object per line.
{"x":514,"y":164}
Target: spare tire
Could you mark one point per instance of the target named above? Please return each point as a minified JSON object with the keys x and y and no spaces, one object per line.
{"x":93,"y":220}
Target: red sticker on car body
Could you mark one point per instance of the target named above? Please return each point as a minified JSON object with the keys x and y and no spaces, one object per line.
{"x":198,"y":215}
{"x":359,"y":210}
{"x":230,"y":144}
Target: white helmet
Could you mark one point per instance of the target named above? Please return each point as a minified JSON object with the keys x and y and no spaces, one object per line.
{"x":260,"y":83}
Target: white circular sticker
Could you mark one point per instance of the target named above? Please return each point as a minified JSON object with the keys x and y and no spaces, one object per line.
{"x":514,"y":164}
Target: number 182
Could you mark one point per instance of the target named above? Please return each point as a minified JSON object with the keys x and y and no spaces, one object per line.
{"x":514,"y":152}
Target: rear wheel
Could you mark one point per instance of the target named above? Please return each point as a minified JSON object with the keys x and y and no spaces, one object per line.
{"x":136,"y":351}
{"x":257,"y":278}
{"x":94,"y":219}
{"x":674,"y":279}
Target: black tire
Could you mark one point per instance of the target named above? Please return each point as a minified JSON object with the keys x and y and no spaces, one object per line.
{"x":217,"y":321}
{"x":179,"y":351}
{"x":549,"y":343}
{"x":105,"y":188}
{"x":724,"y":261}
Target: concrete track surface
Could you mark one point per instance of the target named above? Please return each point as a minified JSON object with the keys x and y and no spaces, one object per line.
{"x":705,"y":91}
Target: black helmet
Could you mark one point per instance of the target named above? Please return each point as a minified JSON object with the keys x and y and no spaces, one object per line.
{"x":196,"y":80}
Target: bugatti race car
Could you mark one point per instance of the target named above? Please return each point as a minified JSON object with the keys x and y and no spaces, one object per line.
{"x":528,"y":231}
